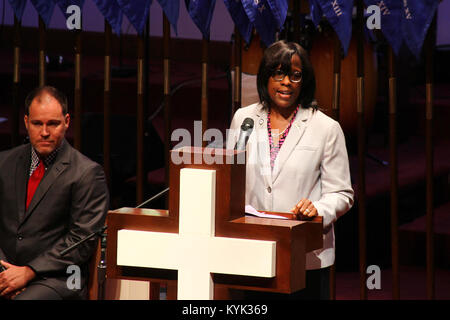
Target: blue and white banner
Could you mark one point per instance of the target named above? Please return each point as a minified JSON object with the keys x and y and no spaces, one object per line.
{"x":110,"y":9}
{"x":339,"y":15}
{"x":136,"y":11}
{"x":279,"y":10}
{"x":316,"y":12}
{"x":171,"y":9}
{"x":201,"y":12}
{"x":64,"y":4}
{"x":391,"y":21}
{"x":240,"y":18}
{"x":44,"y":9}
{"x":18,"y":7}
{"x":416,"y":19}
{"x":261,"y":16}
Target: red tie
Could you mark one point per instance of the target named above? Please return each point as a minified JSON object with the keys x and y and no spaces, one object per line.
{"x":34,"y":181}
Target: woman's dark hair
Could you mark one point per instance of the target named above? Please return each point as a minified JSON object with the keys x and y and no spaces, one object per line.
{"x":51,"y":91}
{"x":279,"y":56}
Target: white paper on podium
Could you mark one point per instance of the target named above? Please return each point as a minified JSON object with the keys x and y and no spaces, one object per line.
{"x":253,"y":212}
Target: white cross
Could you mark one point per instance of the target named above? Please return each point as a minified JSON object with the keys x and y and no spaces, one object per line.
{"x":195,"y":251}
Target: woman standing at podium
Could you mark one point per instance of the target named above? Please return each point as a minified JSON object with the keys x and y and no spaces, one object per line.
{"x":296,"y":156}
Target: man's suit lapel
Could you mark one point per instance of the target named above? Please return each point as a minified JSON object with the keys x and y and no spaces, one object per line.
{"x":58,"y":167}
{"x":295,"y":133}
{"x":22,"y":175}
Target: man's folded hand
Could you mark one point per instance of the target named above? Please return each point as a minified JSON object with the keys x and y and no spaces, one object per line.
{"x":14,"y":279}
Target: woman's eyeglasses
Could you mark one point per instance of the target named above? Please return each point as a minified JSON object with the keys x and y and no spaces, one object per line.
{"x":295,"y":77}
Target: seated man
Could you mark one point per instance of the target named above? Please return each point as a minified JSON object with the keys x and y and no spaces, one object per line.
{"x":51,"y":196}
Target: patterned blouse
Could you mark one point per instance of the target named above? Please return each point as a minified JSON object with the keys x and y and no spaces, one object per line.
{"x":274,"y":149}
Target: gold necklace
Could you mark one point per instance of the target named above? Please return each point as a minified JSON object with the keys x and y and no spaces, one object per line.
{"x":279,"y":134}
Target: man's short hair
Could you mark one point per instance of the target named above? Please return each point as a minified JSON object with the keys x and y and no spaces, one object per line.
{"x":53,"y":92}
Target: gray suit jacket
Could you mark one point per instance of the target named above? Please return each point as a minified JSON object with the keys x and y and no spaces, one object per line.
{"x":312,"y":163}
{"x":70,"y":203}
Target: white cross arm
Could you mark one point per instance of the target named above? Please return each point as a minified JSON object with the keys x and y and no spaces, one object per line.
{"x":220,"y":255}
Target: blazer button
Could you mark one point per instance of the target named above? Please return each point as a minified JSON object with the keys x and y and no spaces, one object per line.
{"x":269,"y":189}
{"x":19,"y":237}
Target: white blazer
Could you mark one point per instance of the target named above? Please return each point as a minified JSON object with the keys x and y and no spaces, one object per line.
{"x":312,"y":163}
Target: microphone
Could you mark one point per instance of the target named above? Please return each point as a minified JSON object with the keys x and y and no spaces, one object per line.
{"x":246,"y":131}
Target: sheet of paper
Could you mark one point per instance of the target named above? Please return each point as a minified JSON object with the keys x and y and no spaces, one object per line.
{"x":252,"y":211}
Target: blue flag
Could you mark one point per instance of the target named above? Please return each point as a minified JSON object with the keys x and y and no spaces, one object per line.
{"x":240,"y":18}
{"x":316,"y":12}
{"x":279,"y":10}
{"x":391,"y":12}
{"x":201,"y":12}
{"x":18,"y":7}
{"x":339,"y":15}
{"x":64,"y":4}
{"x":136,"y":11}
{"x":110,"y":9}
{"x":171,"y":9}
{"x":416,"y":19}
{"x":44,"y":9}
{"x":261,"y":16}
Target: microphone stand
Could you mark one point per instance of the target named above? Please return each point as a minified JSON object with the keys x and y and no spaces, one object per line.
{"x":153,"y":198}
{"x":101,"y":267}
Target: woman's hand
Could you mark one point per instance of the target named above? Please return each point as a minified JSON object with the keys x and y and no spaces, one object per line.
{"x":304,"y":209}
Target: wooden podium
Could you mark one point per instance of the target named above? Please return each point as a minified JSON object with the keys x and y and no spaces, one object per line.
{"x":292,"y":239}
